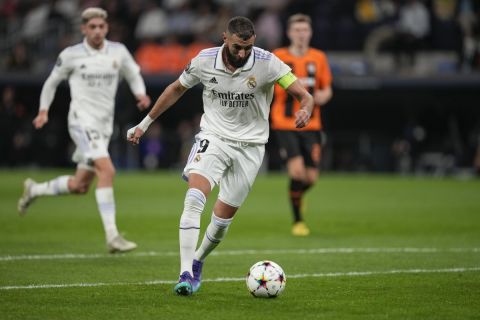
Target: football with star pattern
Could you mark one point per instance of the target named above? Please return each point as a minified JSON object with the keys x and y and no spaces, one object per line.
{"x":266,"y":279}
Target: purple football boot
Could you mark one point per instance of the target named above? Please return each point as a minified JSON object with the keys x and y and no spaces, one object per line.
{"x":184,"y":285}
{"x":197,"y":275}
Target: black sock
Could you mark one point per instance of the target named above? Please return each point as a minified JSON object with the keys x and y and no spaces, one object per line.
{"x":296,"y":193}
{"x":306,"y":186}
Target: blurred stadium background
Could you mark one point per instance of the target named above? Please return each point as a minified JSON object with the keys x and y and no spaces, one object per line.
{"x":391,"y":111}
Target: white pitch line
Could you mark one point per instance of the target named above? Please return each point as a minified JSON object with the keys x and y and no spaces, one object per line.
{"x":294,"y":276}
{"x":84,"y":256}
{"x":239,"y":252}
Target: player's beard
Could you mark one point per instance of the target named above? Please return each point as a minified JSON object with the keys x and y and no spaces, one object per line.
{"x":235,"y":61}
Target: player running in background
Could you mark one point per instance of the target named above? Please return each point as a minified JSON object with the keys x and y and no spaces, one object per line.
{"x":301,"y":146}
{"x":93,"y":69}
{"x":238,"y":81}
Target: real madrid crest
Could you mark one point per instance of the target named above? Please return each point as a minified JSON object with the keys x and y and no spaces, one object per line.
{"x":197,"y":158}
{"x":115,"y":64}
{"x":252,"y":82}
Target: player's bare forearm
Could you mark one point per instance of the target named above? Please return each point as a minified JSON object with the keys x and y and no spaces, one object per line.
{"x":168,"y":97}
{"x":322,"y":96}
{"x":303,"y":115}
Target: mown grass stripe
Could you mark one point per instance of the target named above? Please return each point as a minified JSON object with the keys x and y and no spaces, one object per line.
{"x":238,"y":252}
{"x":294,"y":276}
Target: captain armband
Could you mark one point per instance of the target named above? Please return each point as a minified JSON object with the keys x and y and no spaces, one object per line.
{"x":287,"y":80}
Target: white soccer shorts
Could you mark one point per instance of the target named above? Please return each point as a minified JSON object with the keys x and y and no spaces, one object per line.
{"x":91,"y":144}
{"x":231,"y":164}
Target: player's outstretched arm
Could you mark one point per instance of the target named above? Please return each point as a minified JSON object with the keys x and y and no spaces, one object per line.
{"x":303,"y":115}
{"x":46,"y":97}
{"x":168,"y":97}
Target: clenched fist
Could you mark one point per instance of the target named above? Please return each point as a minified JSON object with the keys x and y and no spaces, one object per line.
{"x":134,"y":134}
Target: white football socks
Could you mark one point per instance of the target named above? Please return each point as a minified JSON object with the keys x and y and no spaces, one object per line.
{"x":54,"y":187}
{"x":106,"y":206}
{"x":215,"y":233}
{"x":190,"y":227}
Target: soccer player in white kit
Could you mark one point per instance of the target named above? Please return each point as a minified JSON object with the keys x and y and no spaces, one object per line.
{"x":238,"y":81}
{"x":93,"y":69}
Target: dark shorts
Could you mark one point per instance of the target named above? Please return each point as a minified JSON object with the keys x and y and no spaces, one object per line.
{"x":300,"y":143}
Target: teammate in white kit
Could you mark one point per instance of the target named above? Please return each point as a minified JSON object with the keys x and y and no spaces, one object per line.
{"x":93,"y":69}
{"x":238,"y":81}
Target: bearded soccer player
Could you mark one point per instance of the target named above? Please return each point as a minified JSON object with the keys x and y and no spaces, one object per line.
{"x":238,"y":81}
{"x":93,"y":69}
{"x":301,"y":146}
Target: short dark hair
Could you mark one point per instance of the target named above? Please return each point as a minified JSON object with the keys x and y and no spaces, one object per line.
{"x":242,"y":27}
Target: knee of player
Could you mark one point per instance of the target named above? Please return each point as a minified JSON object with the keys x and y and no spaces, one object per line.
{"x":109,"y":171}
{"x":106,"y":173}
{"x":194,"y":200}
{"x":298,"y":174}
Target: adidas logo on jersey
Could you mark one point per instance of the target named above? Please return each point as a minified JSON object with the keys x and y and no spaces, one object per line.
{"x":213,"y":80}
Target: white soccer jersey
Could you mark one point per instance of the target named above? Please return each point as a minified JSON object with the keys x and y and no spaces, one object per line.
{"x":236,"y":105}
{"x":93,"y":76}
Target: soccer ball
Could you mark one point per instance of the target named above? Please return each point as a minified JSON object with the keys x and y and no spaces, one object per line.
{"x":266,"y":279}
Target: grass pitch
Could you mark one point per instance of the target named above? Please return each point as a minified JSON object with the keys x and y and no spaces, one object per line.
{"x":382,"y":247}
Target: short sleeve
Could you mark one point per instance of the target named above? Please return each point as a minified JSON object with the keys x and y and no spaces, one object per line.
{"x":277,"y":69}
{"x":324,"y":76}
{"x":191,"y":75}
